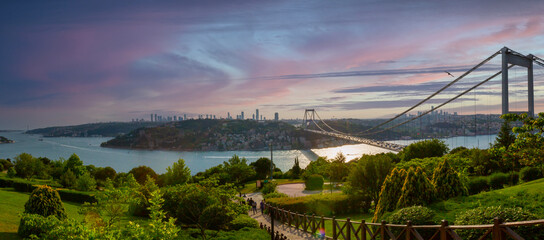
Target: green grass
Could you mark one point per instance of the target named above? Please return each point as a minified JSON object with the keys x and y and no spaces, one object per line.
{"x":529,"y":196}
{"x":251,"y":186}
{"x":12,"y":204}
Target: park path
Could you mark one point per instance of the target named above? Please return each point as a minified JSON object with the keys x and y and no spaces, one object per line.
{"x":291,"y":232}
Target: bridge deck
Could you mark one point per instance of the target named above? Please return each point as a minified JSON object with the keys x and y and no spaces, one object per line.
{"x":380,"y":144}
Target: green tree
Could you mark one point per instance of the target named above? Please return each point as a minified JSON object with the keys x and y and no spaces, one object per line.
{"x":416,"y":190}
{"x":103,"y":173}
{"x":366,"y":177}
{"x":68,"y":179}
{"x":319,"y":166}
{"x":337,"y":168}
{"x":390,"y":193}
{"x":86,"y":182}
{"x":296,"y":170}
{"x":238,"y":170}
{"x":424,"y":149}
{"x":178,"y":173}
{"x":262,"y":167}
{"x":140,"y":173}
{"x":527,"y":148}
{"x":45,"y":201}
{"x":74,"y":164}
{"x":447,"y":182}
{"x":27,"y":166}
{"x":505,"y":138}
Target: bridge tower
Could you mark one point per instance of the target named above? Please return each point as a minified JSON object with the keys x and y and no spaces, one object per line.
{"x":510,"y":57}
{"x":309,"y":115}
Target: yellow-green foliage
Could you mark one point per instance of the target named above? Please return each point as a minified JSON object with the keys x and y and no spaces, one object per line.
{"x":390,"y":192}
{"x":447,"y":182}
{"x":319,"y":204}
{"x":416,"y":190}
{"x":45,"y":201}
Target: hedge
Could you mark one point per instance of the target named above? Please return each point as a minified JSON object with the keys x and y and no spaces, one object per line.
{"x":66,"y":195}
{"x":318,"y":204}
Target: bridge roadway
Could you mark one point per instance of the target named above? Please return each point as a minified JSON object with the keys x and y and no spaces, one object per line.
{"x":380,"y":144}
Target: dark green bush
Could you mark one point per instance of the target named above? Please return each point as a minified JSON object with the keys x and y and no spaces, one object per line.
{"x":497,"y":180}
{"x":269,"y":188}
{"x":35,"y":224}
{"x":22,"y":186}
{"x":477,"y":184}
{"x":76,"y":196}
{"x":68,"y":179}
{"x":45,"y":201}
{"x":418,"y":215}
{"x":530,"y":173}
{"x":514,"y":178}
{"x":485,"y":215}
{"x":275,"y":195}
{"x":85,"y":182}
{"x":5,"y":164}
{"x":242,"y":221}
{"x":11,"y":172}
{"x":314,"y":182}
{"x":319,"y":204}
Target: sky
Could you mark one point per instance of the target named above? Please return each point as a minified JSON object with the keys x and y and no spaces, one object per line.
{"x":75,"y":62}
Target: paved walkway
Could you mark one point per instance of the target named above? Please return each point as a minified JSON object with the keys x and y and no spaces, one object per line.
{"x":297,"y":190}
{"x":291,"y":232}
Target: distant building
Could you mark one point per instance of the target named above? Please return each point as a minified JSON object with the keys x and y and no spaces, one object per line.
{"x":156,"y":117}
{"x":257,"y":114}
{"x":276,"y":116}
{"x":152,"y":117}
{"x":184,"y":116}
{"x":242,"y":116}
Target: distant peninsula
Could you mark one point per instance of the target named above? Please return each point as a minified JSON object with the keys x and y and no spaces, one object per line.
{"x":5,"y":140}
{"x":223,"y":135}
{"x":106,"y":129}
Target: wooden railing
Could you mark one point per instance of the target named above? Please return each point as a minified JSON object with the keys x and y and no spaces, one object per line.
{"x":348,"y":230}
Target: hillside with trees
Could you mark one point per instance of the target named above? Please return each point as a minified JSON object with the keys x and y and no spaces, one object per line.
{"x":223,"y":135}
{"x":108,"y":129}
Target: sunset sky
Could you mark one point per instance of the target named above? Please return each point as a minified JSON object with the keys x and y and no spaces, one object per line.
{"x":74,"y":62}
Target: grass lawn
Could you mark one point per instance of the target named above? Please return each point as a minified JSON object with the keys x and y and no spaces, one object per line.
{"x":529,"y":196}
{"x":12,"y":204}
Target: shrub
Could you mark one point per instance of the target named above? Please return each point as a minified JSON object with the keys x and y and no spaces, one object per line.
{"x":416,"y":190}
{"x":477,"y":185}
{"x":22,"y":186}
{"x":390,"y":193}
{"x":497,"y":180}
{"x":275,"y":195}
{"x":485,"y":215}
{"x":269,"y":188}
{"x":314,"y":182}
{"x":35,"y":224}
{"x":85,"y":183}
{"x":423,"y":149}
{"x":417,"y":214}
{"x":319,"y":204}
{"x":178,"y":173}
{"x":242,"y":221}
{"x":105,"y":173}
{"x":530,"y":173}
{"x":447,"y":182}
{"x":45,"y":201}
{"x":12,"y":172}
{"x":141,"y":172}
{"x":514,"y":178}
{"x":68,"y":179}
{"x":5,"y":164}
{"x":76,"y":196}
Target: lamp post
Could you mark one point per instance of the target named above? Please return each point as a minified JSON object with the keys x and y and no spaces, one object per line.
{"x":271,"y":162}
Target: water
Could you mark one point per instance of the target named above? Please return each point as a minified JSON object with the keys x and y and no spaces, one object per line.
{"x":89,"y":150}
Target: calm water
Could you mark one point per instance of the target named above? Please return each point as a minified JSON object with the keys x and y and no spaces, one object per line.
{"x":89,"y":150}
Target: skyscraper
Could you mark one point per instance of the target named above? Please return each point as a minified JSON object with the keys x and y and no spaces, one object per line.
{"x":242,"y":116}
{"x":152,"y":117}
{"x":257,"y":114}
{"x":276,"y":116}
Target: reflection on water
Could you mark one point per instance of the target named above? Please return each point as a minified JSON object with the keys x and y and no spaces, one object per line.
{"x":89,"y":150}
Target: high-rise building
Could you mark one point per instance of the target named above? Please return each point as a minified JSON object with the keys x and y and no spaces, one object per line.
{"x":152,"y":117}
{"x":242,"y":116}
{"x":228,"y":115}
{"x":156,"y":117}
{"x":184,"y":116}
{"x":175,"y":118}
{"x":257,"y":114}
{"x":276,"y":116}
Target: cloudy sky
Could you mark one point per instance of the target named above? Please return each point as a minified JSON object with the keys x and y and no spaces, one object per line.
{"x":72,"y":62}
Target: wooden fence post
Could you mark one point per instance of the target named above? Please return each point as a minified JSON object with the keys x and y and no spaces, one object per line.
{"x":363,"y":229}
{"x":408,"y":230}
{"x":382,"y":229}
{"x":497,"y":233}
{"x":334,"y":228}
{"x":443,"y":230}
{"x":348,"y":229}
{"x":271,"y":222}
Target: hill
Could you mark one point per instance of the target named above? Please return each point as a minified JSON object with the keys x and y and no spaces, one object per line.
{"x":109,"y":129}
{"x":222,"y":135}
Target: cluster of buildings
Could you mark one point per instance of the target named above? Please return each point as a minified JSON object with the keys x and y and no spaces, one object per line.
{"x":158,"y":118}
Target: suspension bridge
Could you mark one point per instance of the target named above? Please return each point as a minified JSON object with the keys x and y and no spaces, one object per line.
{"x":510,"y":58}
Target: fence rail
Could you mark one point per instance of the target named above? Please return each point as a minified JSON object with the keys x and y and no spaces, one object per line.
{"x":348,"y":230}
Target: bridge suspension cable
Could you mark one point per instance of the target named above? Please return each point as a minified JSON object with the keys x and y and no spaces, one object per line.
{"x":442,"y":104}
{"x":434,"y":94}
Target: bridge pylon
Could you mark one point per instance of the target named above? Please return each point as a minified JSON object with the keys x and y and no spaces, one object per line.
{"x":309,"y":116}
{"x":514,"y":58}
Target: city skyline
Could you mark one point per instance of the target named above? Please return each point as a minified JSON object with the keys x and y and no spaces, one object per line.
{"x":67,"y":63}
